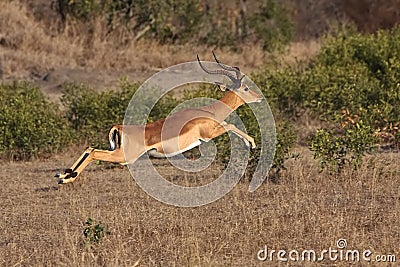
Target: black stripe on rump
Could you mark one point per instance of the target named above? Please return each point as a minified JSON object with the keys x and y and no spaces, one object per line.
{"x":116,"y":137}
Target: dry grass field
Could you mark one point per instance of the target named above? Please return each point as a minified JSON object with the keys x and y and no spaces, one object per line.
{"x":42,"y":223}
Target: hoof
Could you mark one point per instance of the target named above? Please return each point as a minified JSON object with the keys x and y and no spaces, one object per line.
{"x":66,"y":180}
{"x":63,"y":176}
{"x":68,"y":173}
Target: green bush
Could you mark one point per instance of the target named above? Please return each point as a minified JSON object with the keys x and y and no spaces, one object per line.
{"x":354,"y":72}
{"x":335,"y":150}
{"x":272,"y":25}
{"x":30,"y":126}
{"x":361,"y":71}
{"x":91,"y":114}
{"x":165,"y":21}
{"x":168,"y":21}
{"x":78,"y":9}
{"x":283,"y":88}
{"x":93,"y":233}
{"x":286,"y":138}
{"x":183,"y":21}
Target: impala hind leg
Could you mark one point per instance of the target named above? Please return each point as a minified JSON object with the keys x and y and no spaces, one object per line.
{"x":90,"y":154}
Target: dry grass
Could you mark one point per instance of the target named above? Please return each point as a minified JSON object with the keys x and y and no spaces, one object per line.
{"x":32,"y":49}
{"x":29,"y":46}
{"x":42,"y":224}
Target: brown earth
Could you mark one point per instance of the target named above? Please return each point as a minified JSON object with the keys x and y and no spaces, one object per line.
{"x":42,"y":223}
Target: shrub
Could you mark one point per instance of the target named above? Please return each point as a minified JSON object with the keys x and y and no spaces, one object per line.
{"x":93,"y":233}
{"x":355,"y":73}
{"x":362,"y":67}
{"x":352,"y":72}
{"x":286,"y":138}
{"x":168,"y":21}
{"x":182,"y":21}
{"x":363,"y":71}
{"x":30,"y":125}
{"x":91,"y":114}
{"x":345,"y":145}
{"x":283,"y":88}
{"x":272,"y":25}
{"x":79,"y":9}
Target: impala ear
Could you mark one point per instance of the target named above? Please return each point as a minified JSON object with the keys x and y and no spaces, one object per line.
{"x":222,"y":86}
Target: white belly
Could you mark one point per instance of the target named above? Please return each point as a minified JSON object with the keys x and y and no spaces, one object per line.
{"x":156,"y":154}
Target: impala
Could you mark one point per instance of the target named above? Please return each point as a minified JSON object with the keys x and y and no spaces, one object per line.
{"x":178,"y":132}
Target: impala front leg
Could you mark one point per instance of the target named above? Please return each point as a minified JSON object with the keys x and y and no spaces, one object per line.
{"x":87,"y":157}
{"x":245,"y":137}
{"x":225,"y":127}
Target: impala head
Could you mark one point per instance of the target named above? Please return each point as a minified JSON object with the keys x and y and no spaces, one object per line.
{"x":238,"y":86}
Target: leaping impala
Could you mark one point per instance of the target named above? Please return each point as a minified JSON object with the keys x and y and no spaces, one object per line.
{"x":175,"y":134}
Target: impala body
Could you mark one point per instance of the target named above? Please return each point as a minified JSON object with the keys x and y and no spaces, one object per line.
{"x":175,"y":134}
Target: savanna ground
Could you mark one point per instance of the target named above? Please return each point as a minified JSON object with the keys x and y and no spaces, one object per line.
{"x":43,"y":224}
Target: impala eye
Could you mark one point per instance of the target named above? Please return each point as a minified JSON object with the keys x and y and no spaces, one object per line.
{"x":246,"y":88}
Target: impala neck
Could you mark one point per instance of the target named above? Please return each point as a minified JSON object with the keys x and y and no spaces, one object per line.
{"x":230,"y":102}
